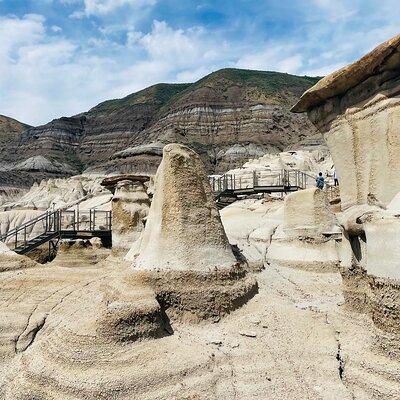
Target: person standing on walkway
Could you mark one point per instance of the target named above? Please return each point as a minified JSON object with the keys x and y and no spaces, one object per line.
{"x":335,"y":178}
{"x":320,"y":181}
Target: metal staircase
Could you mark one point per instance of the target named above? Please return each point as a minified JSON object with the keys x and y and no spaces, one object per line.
{"x":58,"y":224}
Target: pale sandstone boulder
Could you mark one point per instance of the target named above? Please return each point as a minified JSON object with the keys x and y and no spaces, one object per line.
{"x":183,"y":229}
{"x":358,"y":111}
{"x":9,"y":260}
{"x":308,"y":212}
{"x":307,"y":237}
{"x":382,"y":265}
{"x":250,"y":224}
{"x":383,"y":247}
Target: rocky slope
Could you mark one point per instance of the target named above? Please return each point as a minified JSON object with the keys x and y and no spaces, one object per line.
{"x":228,"y":117}
{"x":10,"y":134}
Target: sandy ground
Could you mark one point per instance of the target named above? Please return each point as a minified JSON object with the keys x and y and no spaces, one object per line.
{"x":294,"y":340}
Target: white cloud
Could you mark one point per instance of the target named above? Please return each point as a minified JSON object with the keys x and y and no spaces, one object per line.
{"x":42,"y":76}
{"x":276,"y":57}
{"x":15,"y":32}
{"x":102,"y":7}
{"x":133,"y":38}
{"x":167,"y":44}
{"x":56,"y":29}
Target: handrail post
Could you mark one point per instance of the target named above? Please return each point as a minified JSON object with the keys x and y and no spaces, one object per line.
{"x":25,"y":236}
{"x":94,"y":219}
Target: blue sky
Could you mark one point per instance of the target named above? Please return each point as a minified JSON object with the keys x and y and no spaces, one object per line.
{"x":62,"y":57}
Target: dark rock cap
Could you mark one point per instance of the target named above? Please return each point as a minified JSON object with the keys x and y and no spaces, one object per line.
{"x":111,"y":181}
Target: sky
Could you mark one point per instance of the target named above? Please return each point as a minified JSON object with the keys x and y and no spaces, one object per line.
{"x":62,"y":57}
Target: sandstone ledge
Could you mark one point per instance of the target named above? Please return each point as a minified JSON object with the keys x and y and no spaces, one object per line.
{"x":349,"y":76}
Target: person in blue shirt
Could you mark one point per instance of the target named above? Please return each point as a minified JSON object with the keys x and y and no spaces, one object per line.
{"x":320,"y":181}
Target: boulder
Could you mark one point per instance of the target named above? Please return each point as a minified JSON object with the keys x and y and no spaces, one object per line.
{"x":307,"y":212}
{"x":307,"y":238}
{"x":250,"y":224}
{"x":10,"y":260}
{"x":383,"y":247}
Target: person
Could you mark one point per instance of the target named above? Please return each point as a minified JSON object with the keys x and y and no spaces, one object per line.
{"x":335,"y":178}
{"x":320,"y":181}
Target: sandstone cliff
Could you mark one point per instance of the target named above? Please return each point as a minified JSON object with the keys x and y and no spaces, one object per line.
{"x":227,"y":117}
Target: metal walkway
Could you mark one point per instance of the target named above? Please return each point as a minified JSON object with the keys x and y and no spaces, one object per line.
{"x":227,"y":188}
{"x":52,"y":226}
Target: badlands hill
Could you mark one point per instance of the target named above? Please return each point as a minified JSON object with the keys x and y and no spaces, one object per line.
{"x":228,"y":117}
{"x":10,"y":130}
{"x":9,"y":126}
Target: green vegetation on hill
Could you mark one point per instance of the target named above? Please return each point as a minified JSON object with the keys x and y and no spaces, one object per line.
{"x":267,"y":81}
{"x":158,"y":94}
{"x":164,"y":94}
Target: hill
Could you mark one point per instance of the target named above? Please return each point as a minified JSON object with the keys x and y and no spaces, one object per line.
{"x":10,"y":131}
{"x":228,"y":116}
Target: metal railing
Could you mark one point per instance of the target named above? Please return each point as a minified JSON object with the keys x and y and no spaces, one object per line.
{"x":255,"y":179}
{"x":57,"y":221}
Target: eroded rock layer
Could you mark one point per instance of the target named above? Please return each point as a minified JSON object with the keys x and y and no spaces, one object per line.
{"x":227,"y":117}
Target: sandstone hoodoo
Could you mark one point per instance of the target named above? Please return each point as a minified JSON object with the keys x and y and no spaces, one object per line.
{"x":357,"y":109}
{"x":183,"y":230}
{"x":184,"y":249}
{"x":130,"y":206}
